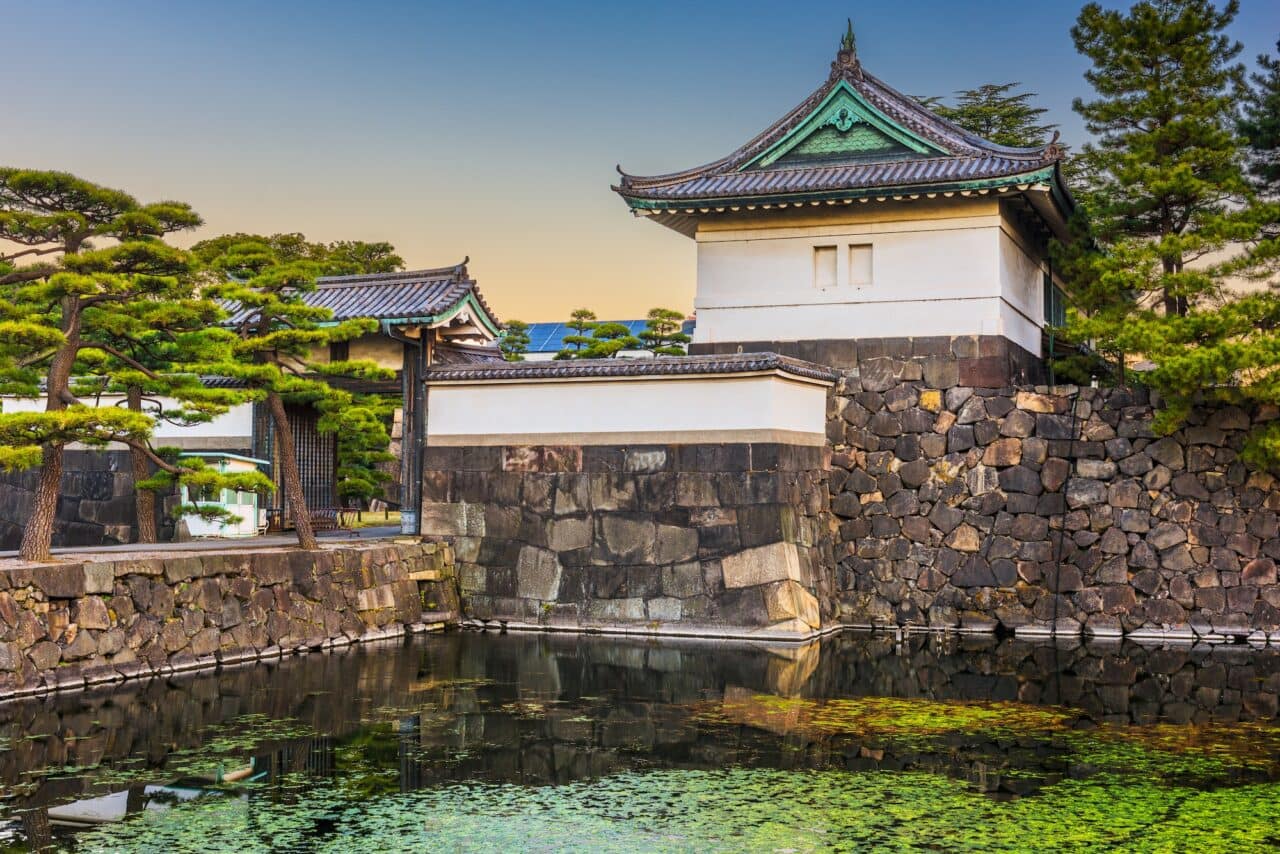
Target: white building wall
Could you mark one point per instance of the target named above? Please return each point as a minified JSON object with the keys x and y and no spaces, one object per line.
{"x":717,"y":408}
{"x":234,"y":429}
{"x":935,"y":270}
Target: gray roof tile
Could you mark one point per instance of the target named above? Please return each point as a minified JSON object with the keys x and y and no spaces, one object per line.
{"x":736,"y":363}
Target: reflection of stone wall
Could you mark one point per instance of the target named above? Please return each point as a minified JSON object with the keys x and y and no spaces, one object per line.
{"x":731,"y":537}
{"x":977,"y":507}
{"x":1118,"y":682}
{"x":474,"y":705}
{"x":62,"y":625}
{"x":96,"y":507}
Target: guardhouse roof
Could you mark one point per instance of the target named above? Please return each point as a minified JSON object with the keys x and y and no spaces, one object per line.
{"x":854,"y":138}
{"x":412,"y":297}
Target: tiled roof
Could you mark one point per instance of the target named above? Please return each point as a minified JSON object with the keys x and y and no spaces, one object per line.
{"x":413,"y":294}
{"x":462,"y":354}
{"x":736,"y":363}
{"x":957,"y":156}
{"x":889,"y":175}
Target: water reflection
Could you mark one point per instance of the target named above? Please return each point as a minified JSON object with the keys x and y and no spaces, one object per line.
{"x":554,"y":709}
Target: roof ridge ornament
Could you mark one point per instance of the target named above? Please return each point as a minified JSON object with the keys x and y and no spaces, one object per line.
{"x":846,"y":65}
{"x":1054,"y":151}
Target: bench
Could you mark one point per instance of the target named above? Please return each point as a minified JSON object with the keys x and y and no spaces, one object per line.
{"x":326,"y":519}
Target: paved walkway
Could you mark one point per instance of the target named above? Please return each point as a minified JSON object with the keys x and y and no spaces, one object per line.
{"x":381,"y":532}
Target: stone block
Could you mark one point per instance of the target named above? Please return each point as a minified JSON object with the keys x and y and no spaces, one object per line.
{"x":683,"y":580}
{"x":538,"y":574}
{"x":1084,"y":492}
{"x":627,"y":538}
{"x":1096,"y":469}
{"x":91,"y":613}
{"x":615,"y":610}
{"x":664,"y":609}
{"x":99,"y":578}
{"x":761,"y":565}
{"x":645,"y":460}
{"x":963,"y":539}
{"x":941,"y":372}
{"x":443,"y":520}
{"x":676,"y":544}
{"x":60,"y":581}
{"x":1039,"y":403}
{"x":1259,"y":572}
{"x":568,"y":534}
{"x":787,"y":600}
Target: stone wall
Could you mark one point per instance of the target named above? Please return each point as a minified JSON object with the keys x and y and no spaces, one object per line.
{"x":974,"y":360}
{"x":96,"y":507}
{"x":985,"y":507}
{"x":65,"y":625}
{"x":724,"y":539}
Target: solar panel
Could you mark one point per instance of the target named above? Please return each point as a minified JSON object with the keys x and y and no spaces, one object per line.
{"x":549,"y":337}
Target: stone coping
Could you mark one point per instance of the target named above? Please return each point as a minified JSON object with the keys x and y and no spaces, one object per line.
{"x":663,"y":366}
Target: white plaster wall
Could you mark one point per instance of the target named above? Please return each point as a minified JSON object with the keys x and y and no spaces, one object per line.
{"x":1022,"y":285}
{"x":236,"y":423}
{"x":936,"y":275}
{"x":766,"y":407}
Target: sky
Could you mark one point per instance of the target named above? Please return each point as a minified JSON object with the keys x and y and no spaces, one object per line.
{"x":487,"y":129}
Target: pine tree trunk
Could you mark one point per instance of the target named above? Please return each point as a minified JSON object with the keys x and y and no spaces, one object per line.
{"x":289,"y":473}
{"x":144,"y":500}
{"x":37,"y":537}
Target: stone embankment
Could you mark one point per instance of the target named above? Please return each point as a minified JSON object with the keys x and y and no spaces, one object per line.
{"x":1038,"y":511}
{"x":726,"y":540}
{"x":65,"y":625}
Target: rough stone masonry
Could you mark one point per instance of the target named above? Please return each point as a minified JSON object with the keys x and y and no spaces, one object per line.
{"x":935,"y":504}
{"x":728,"y":539}
{"x":1018,"y":508}
{"x":65,"y":625}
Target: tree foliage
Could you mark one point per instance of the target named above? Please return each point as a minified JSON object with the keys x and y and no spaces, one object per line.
{"x":996,"y":112}
{"x":1260,"y":125}
{"x":360,"y":426}
{"x":662,"y":334}
{"x":514,"y":342}
{"x":609,"y":339}
{"x":339,"y":258}
{"x":72,"y":315}
{"x":273,"y":336}
{"x":582,"y":322}
{"x":1168,"y":214}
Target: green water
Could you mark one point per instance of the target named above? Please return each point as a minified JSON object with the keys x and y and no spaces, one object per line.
{"x":488,"y":743}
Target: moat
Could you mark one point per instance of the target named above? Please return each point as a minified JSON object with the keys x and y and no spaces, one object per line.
{"x":468,"y":741}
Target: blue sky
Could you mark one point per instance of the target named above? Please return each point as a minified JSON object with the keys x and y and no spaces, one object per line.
{"x":484,"y":128}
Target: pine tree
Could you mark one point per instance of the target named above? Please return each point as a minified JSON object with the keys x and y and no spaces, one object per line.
{"x":662,"y":334}
{"x":360,"y":425}
{"x":339,"y":258}
{"x":60,"y":301}
{"x":1260,"y":125}
{"x":276,"y":333}
{"x":140,"y":349}
{"x":88,"y":297}
{"x":609,"y":339}
{"x":996,"y":113}
{"x":582,"y":322}
{"x":514,"y":342}
{"x":1168,"y":197}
